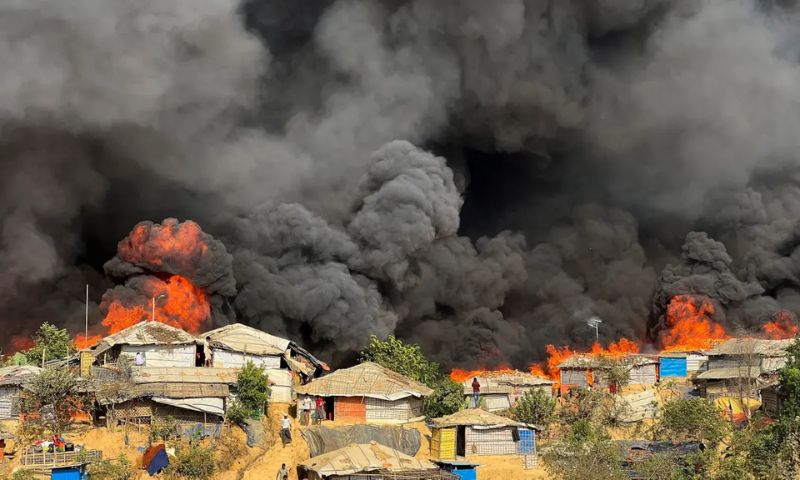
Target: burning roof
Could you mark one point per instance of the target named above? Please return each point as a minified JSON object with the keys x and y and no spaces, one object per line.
{"x":593,"y":361}
{"x":242,"y":338}
{"x":752,"y":346}
{"x":145,"y":333}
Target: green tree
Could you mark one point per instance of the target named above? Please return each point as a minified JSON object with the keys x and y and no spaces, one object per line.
{"x":56,"y":387}
{"x":693,"y":419}
{"x":588,"y":453}
{"x":194,"y":462}
{"x":534,"y":407}
{"x":409,"y":360}
{"x":50,"y":343}
{"x":252,"y":391}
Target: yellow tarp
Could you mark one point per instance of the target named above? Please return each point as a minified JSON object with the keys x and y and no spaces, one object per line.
{"x":737,"y":406}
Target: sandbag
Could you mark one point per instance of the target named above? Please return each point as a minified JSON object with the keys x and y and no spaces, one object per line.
{"x":255,"y":432}
{"x":322,"y":439}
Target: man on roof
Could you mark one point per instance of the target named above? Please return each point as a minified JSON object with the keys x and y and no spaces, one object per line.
{"x":476,"y":392}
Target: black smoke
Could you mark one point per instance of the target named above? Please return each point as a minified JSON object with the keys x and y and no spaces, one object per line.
{"x":479,"y":177}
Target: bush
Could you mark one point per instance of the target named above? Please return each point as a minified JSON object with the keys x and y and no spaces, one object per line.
{"x":236,"y":413}
{"x":24,"y":475}
{"x":120,"y":469}
{"x":252,"y":390}
{"x":693,"y":419}
{"x":588,"y":454}
{"x":56,"y":387}
{"x":228,"y":449}
{"x":447,"y":398}
{"x":193,"y":462}
{"x":162,"y":430}
{"x":534,"y":407}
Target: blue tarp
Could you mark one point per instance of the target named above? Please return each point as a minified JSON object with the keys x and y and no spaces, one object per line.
{"x":527,"y":442}
{"x":158,"y":463}
{"x":672,"y":367}
{"x":464,"y":470}
{"x":65,"y":474}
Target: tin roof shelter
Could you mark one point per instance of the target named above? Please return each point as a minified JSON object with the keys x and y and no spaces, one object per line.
{"x":162,"y":345}
{"x":478,"y":432}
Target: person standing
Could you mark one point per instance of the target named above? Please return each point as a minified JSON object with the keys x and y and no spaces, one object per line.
{"x":207,"y":351}
{"x":307,"y":410}
{"x":320,"y":410}
{"x":286,"y":430}
{"x":282,"y":473}
{"x":476,"y":392}
{"x":139,"y":361}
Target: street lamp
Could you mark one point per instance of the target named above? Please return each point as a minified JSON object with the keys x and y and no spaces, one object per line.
{"x":595,"y":322}
{"x":155,"y":299}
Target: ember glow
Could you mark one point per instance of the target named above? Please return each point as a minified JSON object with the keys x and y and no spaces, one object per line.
{"x":556,"y":355}
{"x":19,"y":344}
{"x":184,"y":306}
{"x":784,"y":326}
{"x":690,"y":325}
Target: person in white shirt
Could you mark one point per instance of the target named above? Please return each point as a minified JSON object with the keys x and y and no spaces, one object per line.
{"x":307,"y":410}
{"x":286,"y":430}
{"x":139,"y":361}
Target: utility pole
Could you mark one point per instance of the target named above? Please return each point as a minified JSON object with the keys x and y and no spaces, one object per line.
{"x":595,"y":322}
{"x":86,"y":329}
{"x":155,"y":299}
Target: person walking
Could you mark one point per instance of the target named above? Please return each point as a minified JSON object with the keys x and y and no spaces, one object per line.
{"x":282,"y":473}
{"x":320,"y":410}
{"x":476,"y":392}
{"x":286,"y":430}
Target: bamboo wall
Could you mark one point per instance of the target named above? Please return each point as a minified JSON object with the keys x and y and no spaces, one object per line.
{"x":495,"y":441}
{"x":443,"y":443}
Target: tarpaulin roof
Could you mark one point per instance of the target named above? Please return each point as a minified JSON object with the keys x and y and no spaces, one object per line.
{"x":241,"y":338}
{"x":748,"y":346}
{"x":475,"y":417}
{"x":505,"y":382}
{"x":324,"y":439}
{"x":167,"y":390}
{"x":361,"y":458}
{"x":365,"y":380}
{"x":184,"y":375}
{"x":145,"y":333}
{"x":212,"y":405}
{"x":18,"y":374}
{"x":594,"y":361}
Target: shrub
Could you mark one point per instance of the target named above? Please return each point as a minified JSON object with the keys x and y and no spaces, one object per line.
{"x":163,"y":429}
{"x":51,"y":343}
{"x":24,"y":475}
{"x":588,"y":454}
{"x":228,"y":449}
{"x":56,"y":387}
{"x":447,"y":398}
{"x":193,"y":462}
{"x":120,"y":469}
{"x":252,"y":391}
{"x":693,"y":419}
{"x":534,"y":407}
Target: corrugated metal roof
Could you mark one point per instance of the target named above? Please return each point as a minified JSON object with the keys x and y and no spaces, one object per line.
{"x":362,"y":458}
{"x":752,"y":346}
{"x":505,"y":382}
{"x":145,"y":333}
{"x":593,"y":361}
{"x":242,"y":338}
{"x":365,"y":380}
{"x":17,"y":374}
{"x":475,"y":416}
{"x":730,"y":372}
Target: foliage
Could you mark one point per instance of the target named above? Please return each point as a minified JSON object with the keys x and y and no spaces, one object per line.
{"x":24,"y":475}
{"x":693,"y":419}
{"x":228,"y":449}
{"x":236,"y":413}
{"x":193,"y":462}
{"x":163,"y":429}
{"x":615,"y":371}
{"x":659,"y":466}
{"x":409,"y":360}
{"x":119,"y":469}
{"x":405,"y":359}
{"x":51,"y":343}
{"x":534,"y":407}
{"x":597,"y":406}
{"x":790,"y":382}
{"x":587,"y":454}
{"x":252,"y":387}
{"x":56,"y":387}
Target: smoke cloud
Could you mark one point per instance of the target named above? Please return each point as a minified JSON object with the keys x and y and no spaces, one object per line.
{"x":480,"y":178}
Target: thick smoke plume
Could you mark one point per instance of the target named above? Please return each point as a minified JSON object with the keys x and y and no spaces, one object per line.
{"x":479,"y":177}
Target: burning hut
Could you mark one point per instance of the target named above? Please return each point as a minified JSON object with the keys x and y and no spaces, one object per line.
{"x":741,"y":368}
{"x":582,"y":371}
{"x":478,"y":432}
{"x":161,"y":345}
{"x":367,"y":392}
{"x":500,"y":390}
{"x":11,"y":381}
{"x":371,"y":461}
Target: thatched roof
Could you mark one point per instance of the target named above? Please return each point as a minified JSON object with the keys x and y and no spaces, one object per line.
{"x":365,"y":380}
{"x":145,"y":333}
{"x":241,"y":338}
{"x":166,"y":390}
{"x":730,"y":372}
{"x":475,"y":417}
{"x":594,"y":361}
{"x":184,"y":375}
{"x":363,"y":458}
{"x":505,"y":383}
{"x":752,"y":346}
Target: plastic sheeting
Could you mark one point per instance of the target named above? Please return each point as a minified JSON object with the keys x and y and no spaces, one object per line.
{"x":322,"y":440}
{"x":215,"y":406}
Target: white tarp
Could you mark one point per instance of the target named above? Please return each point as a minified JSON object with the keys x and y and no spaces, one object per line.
{"x":215,"y":406}
{"x":241,"y":338}
{"x":162,"y":355}
{"x":228,"y":359}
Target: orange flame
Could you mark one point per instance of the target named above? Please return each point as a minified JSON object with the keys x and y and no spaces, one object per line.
{"x":20,"y":343}
{"x":460,"y":375}
{"x":185,"y":306}
{"x":82,"y":341}
{"x":556,"y":355}
{"x":152,"y":244}
{"x":690,"y":325}
{"x":784,"y":326}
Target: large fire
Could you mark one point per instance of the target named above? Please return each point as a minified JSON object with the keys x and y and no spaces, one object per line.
{"x":460,"y":375}
{"x":784,"y":326}
{"x":155,"y":245}
{"x":690,"y":325}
